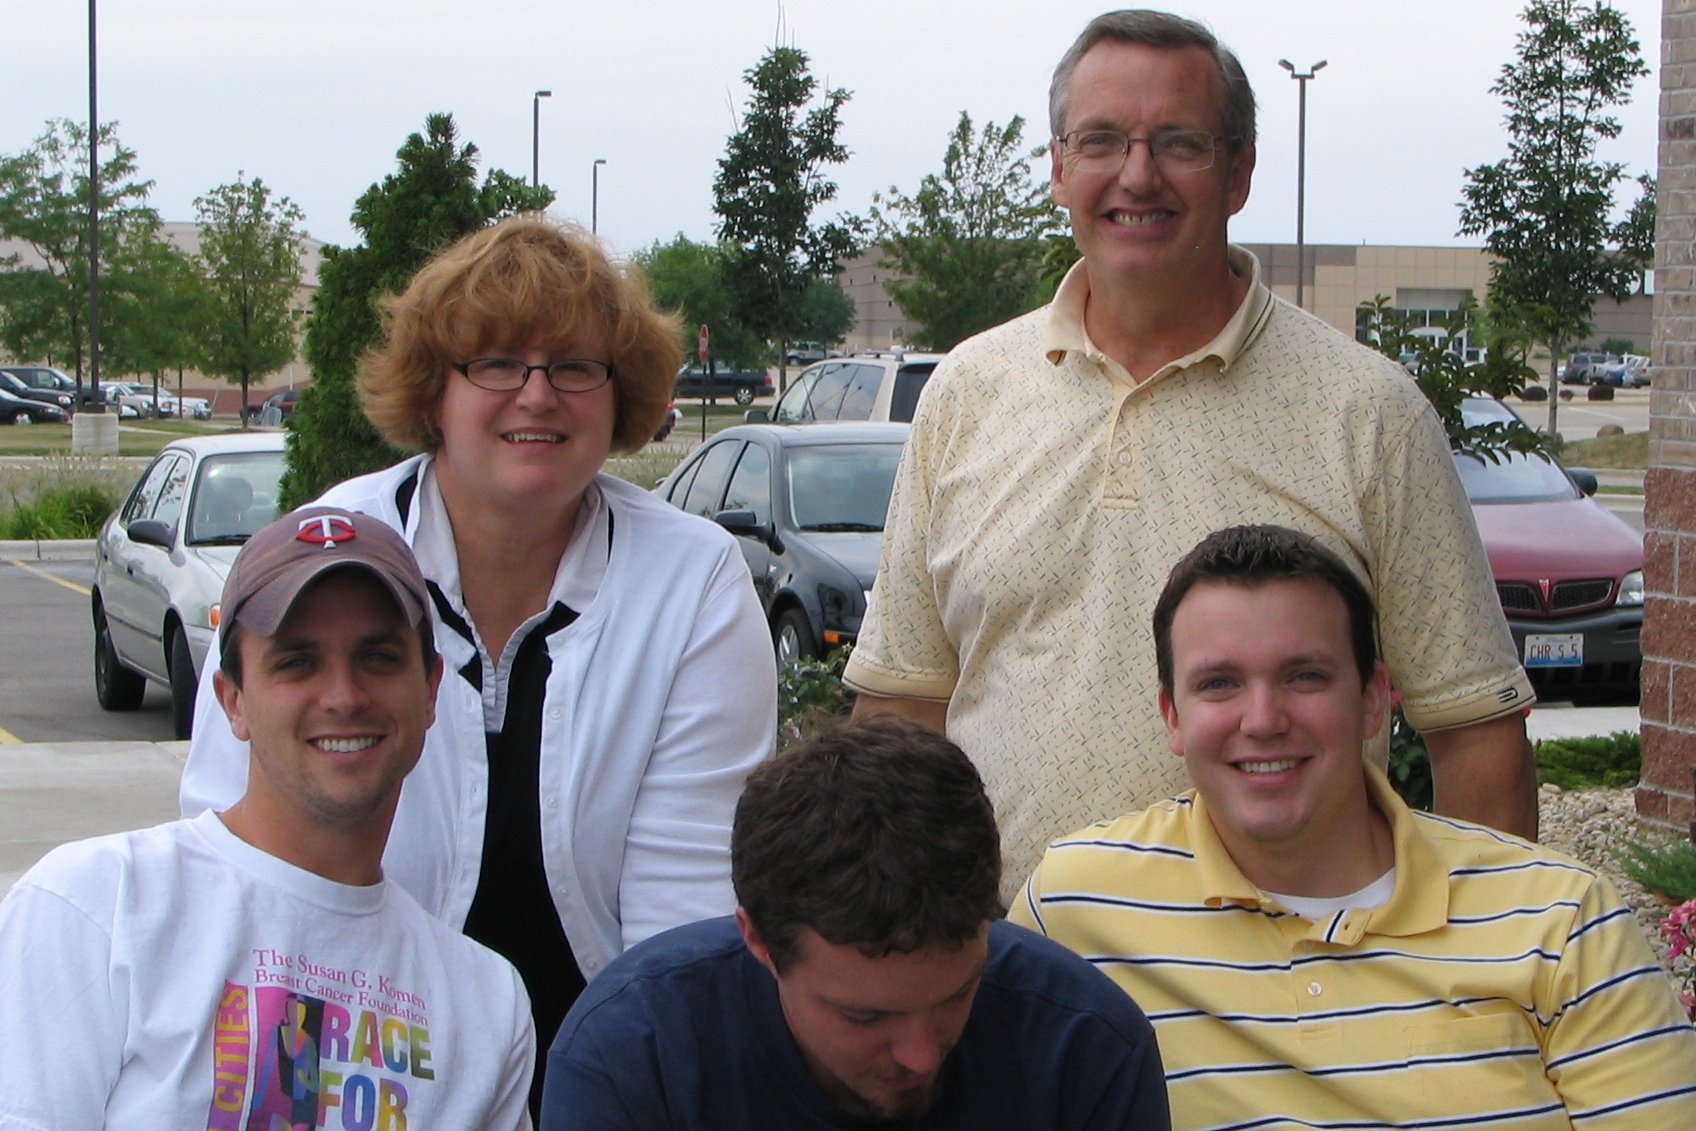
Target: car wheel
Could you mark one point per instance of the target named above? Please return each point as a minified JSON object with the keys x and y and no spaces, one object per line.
{"x":744,"y":395}
{"x":792,"y":636}
{"x":183,"y":683}
{"x":115,"y":686}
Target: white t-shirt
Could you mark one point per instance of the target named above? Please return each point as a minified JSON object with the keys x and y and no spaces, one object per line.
{"x":178,"y":977}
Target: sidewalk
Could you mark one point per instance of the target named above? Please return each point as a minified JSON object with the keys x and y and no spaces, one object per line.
{"x":53,"y":792}
{"x":65,"y":550}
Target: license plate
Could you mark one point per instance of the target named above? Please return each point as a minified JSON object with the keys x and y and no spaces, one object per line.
{"x":1555,"y":650}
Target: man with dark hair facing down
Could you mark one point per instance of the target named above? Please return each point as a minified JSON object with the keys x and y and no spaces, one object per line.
{"x":1311,"y":952}
{"x":866,"y":979}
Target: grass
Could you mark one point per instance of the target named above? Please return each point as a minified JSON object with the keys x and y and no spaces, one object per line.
{"x":1629,"y":452}
{"x":134,"y":439}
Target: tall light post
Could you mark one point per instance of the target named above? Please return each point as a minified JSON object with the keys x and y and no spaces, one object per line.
{"x":595,"y":194}
{"x":1301,"y":167}
{"x":536,"y":136}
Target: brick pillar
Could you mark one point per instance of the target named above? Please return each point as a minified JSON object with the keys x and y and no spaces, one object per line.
{"x":1669,"y":632}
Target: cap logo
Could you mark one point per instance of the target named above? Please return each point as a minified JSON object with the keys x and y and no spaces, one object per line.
{"x":326,"y":530}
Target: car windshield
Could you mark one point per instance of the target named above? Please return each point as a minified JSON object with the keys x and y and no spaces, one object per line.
{"x":841,"y":487}
{"x":235,"y":496}
{"x":1515,"y":478}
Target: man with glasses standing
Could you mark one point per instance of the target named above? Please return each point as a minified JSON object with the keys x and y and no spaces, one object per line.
{"x":1060,"y":463}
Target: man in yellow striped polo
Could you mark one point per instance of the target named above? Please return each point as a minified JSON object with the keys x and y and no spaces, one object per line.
{"x":1310,"y":951}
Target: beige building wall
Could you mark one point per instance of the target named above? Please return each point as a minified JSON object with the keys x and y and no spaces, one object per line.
{"x":1338,"y":278}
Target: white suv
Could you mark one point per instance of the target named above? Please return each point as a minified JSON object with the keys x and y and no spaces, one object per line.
{"x":866,"y":386}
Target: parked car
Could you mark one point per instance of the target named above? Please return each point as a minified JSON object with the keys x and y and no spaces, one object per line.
{"x":22,"y":410}
{"x":160,"y":562}
{"x":1568,"y":571}
{"x":672,"y":415}
{"x":124,"y":408}
{"x":1630,"y":372}
{"x":277,"y":407}
{"x":743,"y":385}
{"x":138,"y":397}
{"x":801,"y":353}
{"x":807,"y":507}
{"x":47,"y":379}
{"x":861,"y":387}
{"x":10,"y":382}
{"x":194,"y":408}
{"x":1580,"y":368}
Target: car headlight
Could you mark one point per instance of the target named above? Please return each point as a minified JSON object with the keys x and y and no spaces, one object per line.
{"x":1630,"y":589}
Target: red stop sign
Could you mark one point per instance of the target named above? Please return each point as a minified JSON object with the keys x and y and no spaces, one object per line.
{"x":701,"y":350}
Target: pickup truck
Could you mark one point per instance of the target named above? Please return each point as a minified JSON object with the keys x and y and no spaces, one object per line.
{"x":741,"y":384}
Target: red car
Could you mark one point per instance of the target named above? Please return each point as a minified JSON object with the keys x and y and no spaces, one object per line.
{"x":1568,"y":571}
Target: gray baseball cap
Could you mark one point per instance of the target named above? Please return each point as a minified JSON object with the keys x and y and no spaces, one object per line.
{"x":281,"y":560}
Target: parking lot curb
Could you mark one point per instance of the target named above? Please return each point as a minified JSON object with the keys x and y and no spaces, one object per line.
{"x":50,"y":550}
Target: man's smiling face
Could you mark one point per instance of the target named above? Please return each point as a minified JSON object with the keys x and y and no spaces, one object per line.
{"x":1138,"y":225}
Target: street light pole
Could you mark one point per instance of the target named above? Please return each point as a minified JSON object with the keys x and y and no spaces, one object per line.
{"x":1301,"y":168}
{"x":536,"y":136}
{"x":595,"y":194}
{"x":96,"y":401}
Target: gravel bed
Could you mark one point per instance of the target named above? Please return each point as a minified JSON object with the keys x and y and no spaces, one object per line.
{"x":1590,"y":824}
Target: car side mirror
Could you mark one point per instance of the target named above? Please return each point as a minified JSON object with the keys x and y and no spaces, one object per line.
{"x":1584,"y":479}
{"x":150,"y":532}
{"x":744,"y":523}
{"x":756,"y":416}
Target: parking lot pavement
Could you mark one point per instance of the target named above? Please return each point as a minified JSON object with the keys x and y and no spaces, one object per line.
{"x":53,"y":792}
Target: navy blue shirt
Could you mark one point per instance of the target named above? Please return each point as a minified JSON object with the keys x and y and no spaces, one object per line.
{"x":685,"y":1031}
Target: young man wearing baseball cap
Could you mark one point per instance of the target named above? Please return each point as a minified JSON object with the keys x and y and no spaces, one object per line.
{"x":251,"y":969}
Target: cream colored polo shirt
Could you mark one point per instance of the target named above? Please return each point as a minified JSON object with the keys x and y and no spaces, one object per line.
{"x":1043,"y":497}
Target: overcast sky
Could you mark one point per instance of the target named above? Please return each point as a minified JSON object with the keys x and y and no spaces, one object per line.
{"x":315,"y":96}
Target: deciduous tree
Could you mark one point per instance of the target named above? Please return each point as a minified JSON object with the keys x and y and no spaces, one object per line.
{"x":689,"y":277}
{"x":431,"y":200}
{"x":1544,"y":210}
{"x":44,"y":203}
{"x":250,"y":247}
{"x":771,"y":180}
{"x":970,"y":240}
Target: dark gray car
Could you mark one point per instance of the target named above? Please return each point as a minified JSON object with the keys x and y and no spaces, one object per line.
{"x":807,"y":507}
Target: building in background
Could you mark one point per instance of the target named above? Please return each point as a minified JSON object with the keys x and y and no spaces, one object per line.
{"x":1430,"y":282}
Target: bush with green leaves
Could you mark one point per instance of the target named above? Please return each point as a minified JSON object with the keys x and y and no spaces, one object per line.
{"x":810,"y":695}
{"x":1601,"y":762}
{"x":1666,"y":868}
{"x":73,"y":510}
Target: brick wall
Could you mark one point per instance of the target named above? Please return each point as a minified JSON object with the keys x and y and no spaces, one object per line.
{"x":1669,"y":631}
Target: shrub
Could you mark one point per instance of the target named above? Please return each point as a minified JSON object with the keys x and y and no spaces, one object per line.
{"x":1610,"y":761}
{"x":1607,"y":761}
{"x":809,"y":695}
{"x":1410,"y":765}
{"x":1668,"y":869}
{"x":72,"y":510}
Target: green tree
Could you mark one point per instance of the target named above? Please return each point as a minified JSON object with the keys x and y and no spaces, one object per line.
{"x":689,"y":277}
{"x":250,"y":246}
{"x":431,"y":200}
{"x":44,"y":203}
{"x":1445,"y":377}
{"x":826,"y":314}
{"x":969,"y":241}
{"x":156,"y":314}
{"x":770,"y":181}
{"x":1544,"y":210}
